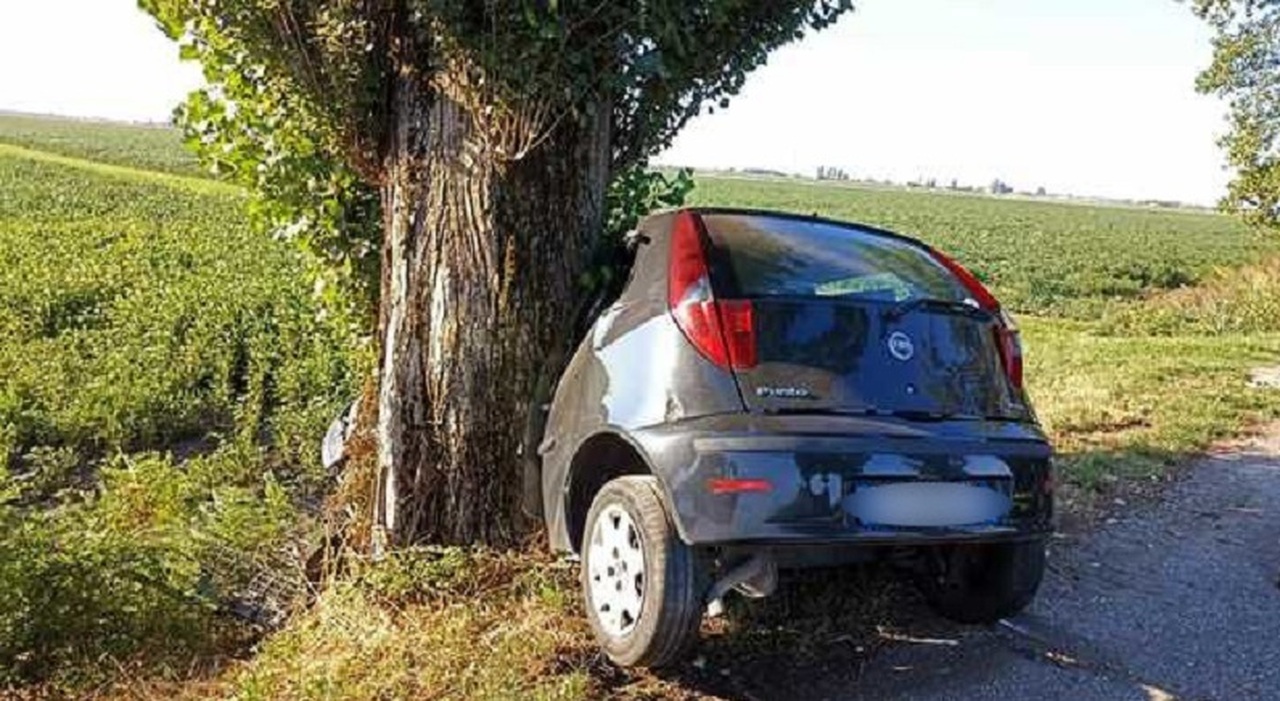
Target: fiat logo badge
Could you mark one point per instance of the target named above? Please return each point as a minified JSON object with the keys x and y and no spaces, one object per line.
{"x":900,"y":346}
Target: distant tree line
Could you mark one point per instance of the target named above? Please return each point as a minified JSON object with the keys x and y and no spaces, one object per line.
{"x":832,"y":173}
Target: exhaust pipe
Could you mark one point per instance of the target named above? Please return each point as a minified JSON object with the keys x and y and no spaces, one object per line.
{"x":755,"y":578}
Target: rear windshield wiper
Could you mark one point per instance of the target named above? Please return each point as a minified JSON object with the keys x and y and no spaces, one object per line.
{"x":901,"y":309}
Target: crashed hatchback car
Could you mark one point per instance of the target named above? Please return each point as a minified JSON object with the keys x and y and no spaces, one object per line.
{"x":778,"y":391}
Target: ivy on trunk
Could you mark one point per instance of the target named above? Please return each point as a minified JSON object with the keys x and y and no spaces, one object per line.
{"x":487,"y":134}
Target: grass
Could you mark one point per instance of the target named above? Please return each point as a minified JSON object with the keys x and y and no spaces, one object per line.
{"x":1131,"y":407}
{"x":137,"y":314}
{"x":1233,"y":301}
{"x":1040,"y":257}
{"x":165,"y":371}
{"x":153,"y":148}
{"x":430,"y":623}
{"x":427,"y":625}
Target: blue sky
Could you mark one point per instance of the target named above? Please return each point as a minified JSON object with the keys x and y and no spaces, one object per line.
{"x":1083,"y":96}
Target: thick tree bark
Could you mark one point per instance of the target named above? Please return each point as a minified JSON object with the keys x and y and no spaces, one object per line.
{"x":482,"y":254}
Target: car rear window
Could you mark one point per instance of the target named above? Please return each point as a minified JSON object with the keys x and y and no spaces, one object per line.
{"x":762,"y":256}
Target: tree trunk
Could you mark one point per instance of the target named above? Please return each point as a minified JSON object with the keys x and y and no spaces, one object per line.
{"x":482,"y":254}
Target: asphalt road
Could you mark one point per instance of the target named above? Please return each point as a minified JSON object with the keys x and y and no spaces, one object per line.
{"x":1178,"y":599}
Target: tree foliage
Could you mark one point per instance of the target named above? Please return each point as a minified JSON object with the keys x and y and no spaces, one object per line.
{"x":298,"y":96}
{"x":1246,"y":72}
{"x":327,"y":65}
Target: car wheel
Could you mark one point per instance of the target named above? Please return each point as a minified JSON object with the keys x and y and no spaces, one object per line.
{"x":641,"y":583}
{"x":984,"y":583}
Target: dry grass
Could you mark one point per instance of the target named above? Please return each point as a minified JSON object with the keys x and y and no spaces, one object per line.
{"x":476,"y":624}
{"x":1231,"y":301}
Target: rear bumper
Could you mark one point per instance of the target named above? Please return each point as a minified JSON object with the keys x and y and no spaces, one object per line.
{"x":819,"y":473}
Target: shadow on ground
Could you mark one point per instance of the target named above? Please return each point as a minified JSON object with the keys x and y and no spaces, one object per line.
{"x":821,"y":625}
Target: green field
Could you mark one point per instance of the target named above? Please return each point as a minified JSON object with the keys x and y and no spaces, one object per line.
{"x":1040,"y":257}
{"x":137,"y":314}
{"x":151,"y":148}
{"x":165,"y":373}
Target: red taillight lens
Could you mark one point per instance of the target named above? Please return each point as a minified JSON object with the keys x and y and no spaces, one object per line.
{"x":700,"y":322}
{"x":980,"y":293}
{"x":1007,"y":338}
{"x":1011,"y":353}
{"x":738,"y":319}
{"x":687,"y":275}
{"x":723,"y":332}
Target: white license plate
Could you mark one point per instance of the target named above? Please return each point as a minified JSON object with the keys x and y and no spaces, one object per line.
{"x":926,"y":504}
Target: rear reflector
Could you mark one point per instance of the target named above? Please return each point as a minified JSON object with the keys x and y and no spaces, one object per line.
{"x":730,"y":485}
{"x":722,"y":332}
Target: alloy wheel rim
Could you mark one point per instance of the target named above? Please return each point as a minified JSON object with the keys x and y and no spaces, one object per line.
{"x":615,"y":571}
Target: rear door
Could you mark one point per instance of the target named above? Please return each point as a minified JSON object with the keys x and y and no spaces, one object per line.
{"x":853,"y":320}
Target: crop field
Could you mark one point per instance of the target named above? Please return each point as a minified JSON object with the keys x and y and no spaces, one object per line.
{"x":135,"y":314}
{"x":164,"y":371}
{"x":150,"y":148}
{"x":165,"y":374}
{"x":1039,"y":256}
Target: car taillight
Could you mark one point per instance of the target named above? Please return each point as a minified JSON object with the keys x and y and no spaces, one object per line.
{"x":738,"y":319}
{"x":1010,"y":349}
{"x":980,"y":293}
{"x":722,"y":331}
{"x":1007,"y":338}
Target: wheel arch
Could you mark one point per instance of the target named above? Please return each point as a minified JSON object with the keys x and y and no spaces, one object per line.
{"x":604,"y":456}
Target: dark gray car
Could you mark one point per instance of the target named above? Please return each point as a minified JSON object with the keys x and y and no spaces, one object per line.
{"x":773,"y":390}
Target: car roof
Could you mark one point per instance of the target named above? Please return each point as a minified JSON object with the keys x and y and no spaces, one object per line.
{"x":778,"y":214}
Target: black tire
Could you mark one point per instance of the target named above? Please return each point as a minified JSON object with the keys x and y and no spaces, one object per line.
{"x":671,"y":606}
{"x":985,"y":583}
